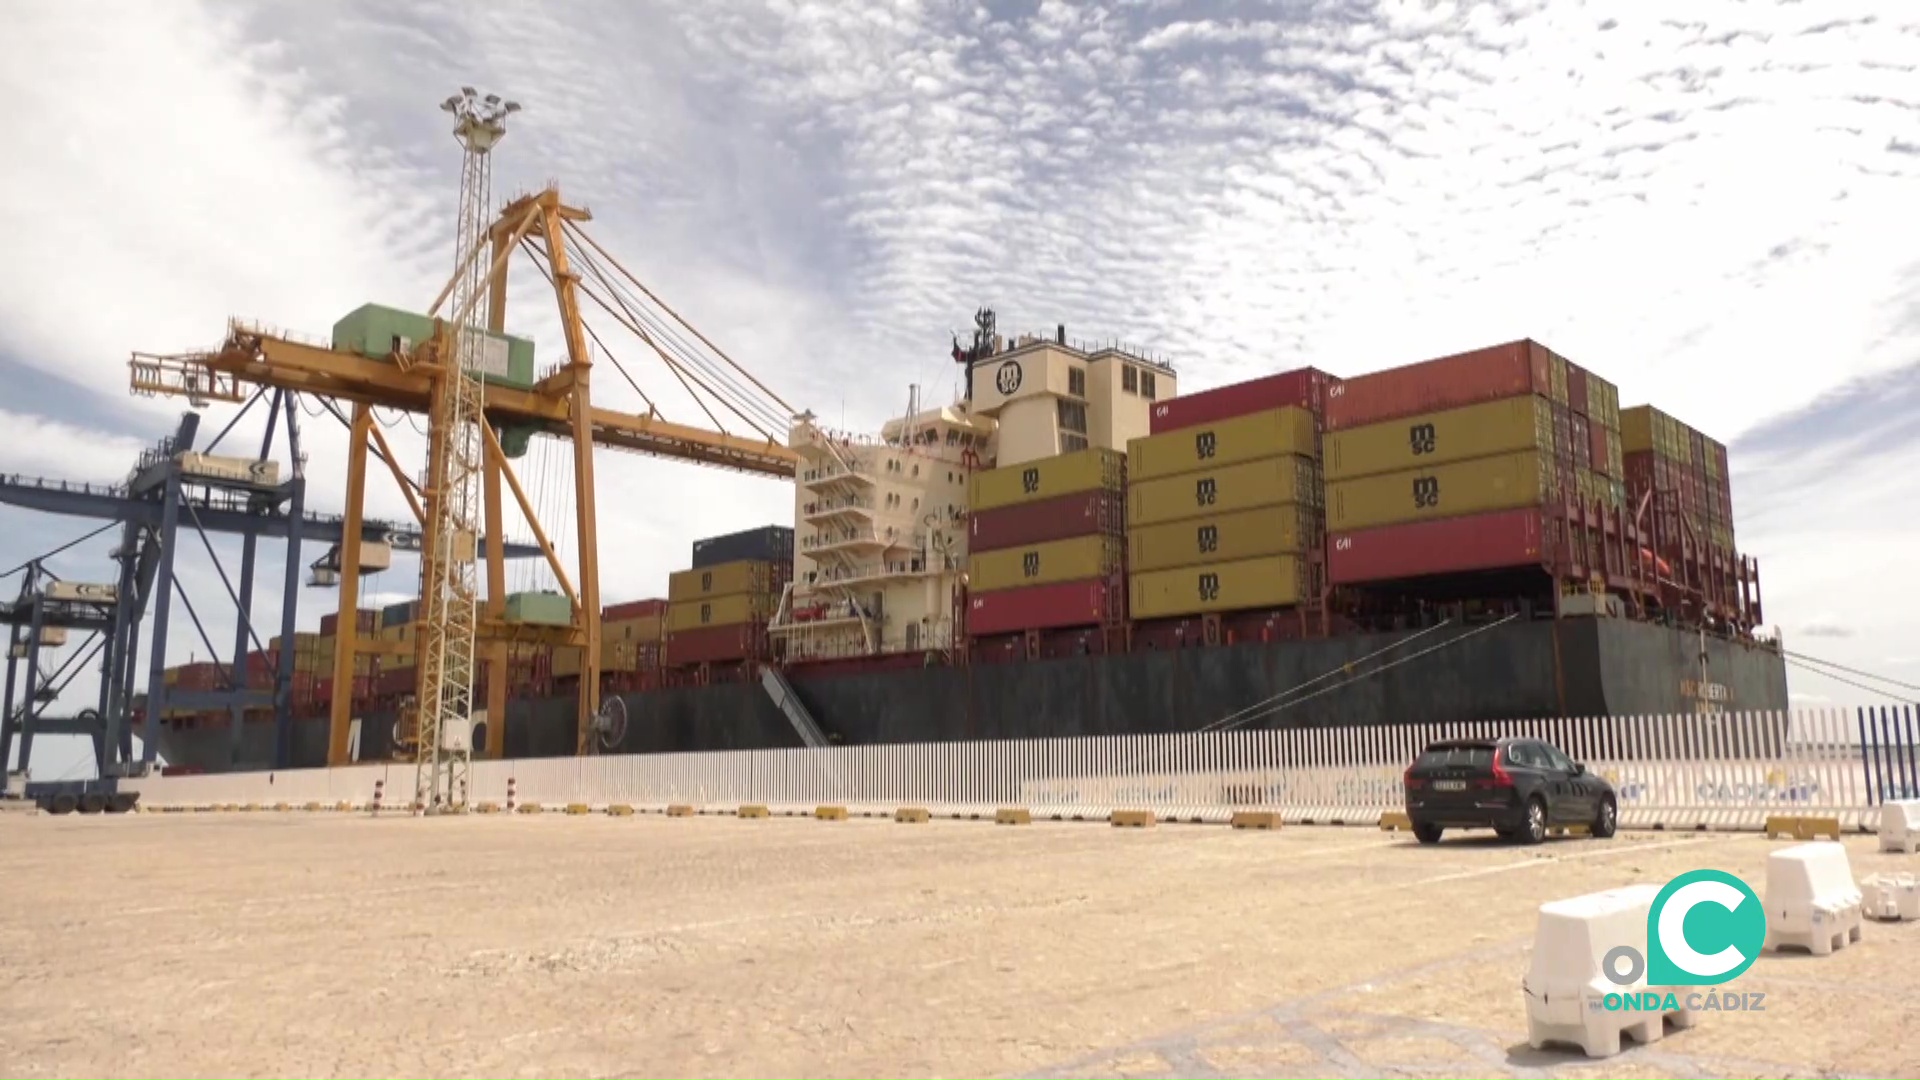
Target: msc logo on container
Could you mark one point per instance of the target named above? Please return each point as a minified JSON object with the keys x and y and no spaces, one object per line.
{"x":1420,"y":438}
{"x":1007,"y":379}
{"x":1208,"y":538}
{"x":1209,"y":588}
{"x":1205,"y":491}
{"x":1030,"y":480}
{"x":1030,"y":564}
{"x":1705,"y":928}
{"x":1204,"y":444}
{"x":1426,"y":492}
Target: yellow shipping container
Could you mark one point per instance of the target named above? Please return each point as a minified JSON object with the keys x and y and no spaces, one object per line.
{"x":1267,"y":582}
{"x":1636,"y":429}
{"x":1287,"y":479}
{"x":1438,"y":438}
{"x":721,"y":611}
{"x":1083,"y":470}
{"x":1557,"y":377}
{"x":566,"y":660}
{"x":1506,"y":482}
{"x":725,"y":579}
{"x":1286,"y":430}
{"x":1270,"y":530}
{"x":646,"y":628}
{"x":1044,"y":564}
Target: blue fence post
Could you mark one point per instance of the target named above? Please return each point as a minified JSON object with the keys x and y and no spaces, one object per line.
{"x":1866,"y":751}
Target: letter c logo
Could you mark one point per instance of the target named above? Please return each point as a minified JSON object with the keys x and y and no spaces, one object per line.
{"x":1728,"y":925}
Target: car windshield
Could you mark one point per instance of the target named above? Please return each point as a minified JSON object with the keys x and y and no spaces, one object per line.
{"x":1457,"y":757}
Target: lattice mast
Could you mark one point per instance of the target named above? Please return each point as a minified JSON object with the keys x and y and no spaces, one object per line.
{"x":449,"y":577}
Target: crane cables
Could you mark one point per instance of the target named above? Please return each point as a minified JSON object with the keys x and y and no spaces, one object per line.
{"x":1286,"y":699}
{"x":761,"y":410}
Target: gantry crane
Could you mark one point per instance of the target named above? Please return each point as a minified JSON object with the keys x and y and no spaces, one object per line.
{"x":429,"y":377}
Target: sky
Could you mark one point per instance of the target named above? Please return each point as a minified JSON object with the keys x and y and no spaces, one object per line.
{"x":1708,"y":202}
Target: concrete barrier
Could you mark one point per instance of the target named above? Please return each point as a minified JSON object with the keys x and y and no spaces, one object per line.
{"x":830,"y":813}
{"x":1395,"y":821}
{"x":754,"y":810}
{"x":528,"y":808}
{"x":1013,"y":815}
{"x":578,"y":809}
{"x":619,"y":810}
{"x":1132,"y":819}
{"x":913,"y":815}
{"x":1900,"y":826}
{"x":1812,"y":901}
{"x":1567,"y":989}
{"x":680,"y":810}
{"x":1255,"y":819}
{"x":1891,"y":897}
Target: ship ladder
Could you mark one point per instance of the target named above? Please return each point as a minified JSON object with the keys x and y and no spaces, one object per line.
{"x":789,"y":703}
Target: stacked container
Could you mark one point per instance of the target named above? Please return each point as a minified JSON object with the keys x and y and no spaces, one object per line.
{"x":1224,"y":506}
{"x":1045,"y":544}
{"x":718,"y":612}
{"x":630,"y":638}
{"x":1685,"y":472}
{"x":1453,"y":465}
{"x":769,"y":543}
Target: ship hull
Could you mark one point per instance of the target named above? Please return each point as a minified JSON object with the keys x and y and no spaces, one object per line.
{"x":1523,"y":669}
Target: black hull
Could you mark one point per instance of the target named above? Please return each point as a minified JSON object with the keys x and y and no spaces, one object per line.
{"x":1580,"y":667}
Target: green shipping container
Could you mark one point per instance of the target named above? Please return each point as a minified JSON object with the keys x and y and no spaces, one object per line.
{"x":539,"y":608}
{"x":376,"y":332}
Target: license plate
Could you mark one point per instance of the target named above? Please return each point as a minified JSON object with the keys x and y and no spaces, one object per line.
{"x":1449,"y":785}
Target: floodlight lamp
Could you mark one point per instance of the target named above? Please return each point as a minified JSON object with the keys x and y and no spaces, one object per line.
{"x":512,"y":106}
{"x":493,"y":99}
{"x":469,"y":91}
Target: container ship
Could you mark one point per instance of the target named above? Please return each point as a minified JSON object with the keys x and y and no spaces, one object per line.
{"x":1075,"y":548}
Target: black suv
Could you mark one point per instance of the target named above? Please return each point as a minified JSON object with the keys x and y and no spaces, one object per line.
{"x":1516,"y":787}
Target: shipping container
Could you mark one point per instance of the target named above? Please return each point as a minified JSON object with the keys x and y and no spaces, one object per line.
{"x":539,"y":608}
{"x":1305,"y":388}
{"x":1582,"y":441}
{"x":1504,"y":482}
{"x":1273,"y":432}
{"x":1577,"y":399}
{"x":1557,"y":378}
{"x":1503,"y":371}
{"x":1043,"y":564}
{"x":720,"y":611}
{"x":727,"y":579}
{"x":1267,"y":582}
{"x":1041,"y":607}
{"x":1269,"y":530}
{"x":395,"y":614}
{"x":1458,"y":545}
{"x":1473,"y":431}
{"x":633,"y":609}
{"x":716,"y":644}
{"x":625,"y":656}
{"x":639,"y":628}
{"x":366,"y":623}
{"x":769,"y":543}
{"x":1217,"y":491}
{"x":1084,"y":513}
{"x":1033,"y":481}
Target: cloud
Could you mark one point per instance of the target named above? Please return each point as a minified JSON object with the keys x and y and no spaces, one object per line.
{"x":1709,"y":208}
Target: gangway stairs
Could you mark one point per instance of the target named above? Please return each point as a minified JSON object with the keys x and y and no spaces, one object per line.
{"x":784,"y":696}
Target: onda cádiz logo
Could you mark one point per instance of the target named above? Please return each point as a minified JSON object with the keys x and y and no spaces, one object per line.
{"x":1705,"y":928}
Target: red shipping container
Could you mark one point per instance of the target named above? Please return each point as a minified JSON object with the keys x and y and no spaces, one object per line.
{"x":1503,"y":371}
{"x":1505,"y":538}
{"x":1596,"y":452}
{"x":1038,"y":607}
{"x":632,"y":609}
{"x":362,"y":687}
{"x":1308,"y":388}
{"x":1577,"y":389}
{"x":394,"y":682}
{"x":716,"y":644}
{"x":1081,"y":514}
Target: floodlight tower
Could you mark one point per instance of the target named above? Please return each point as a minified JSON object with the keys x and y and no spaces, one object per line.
{"x":449,"y":580}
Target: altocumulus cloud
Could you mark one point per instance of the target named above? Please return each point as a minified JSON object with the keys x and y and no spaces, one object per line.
{"x":1707,"y":201}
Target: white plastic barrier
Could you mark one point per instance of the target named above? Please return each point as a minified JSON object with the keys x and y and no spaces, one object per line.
{"x":1567,"y":987}
{"x":1812,"y":901}
{"x":1900,"y":826}
{"x":1892,"y":897}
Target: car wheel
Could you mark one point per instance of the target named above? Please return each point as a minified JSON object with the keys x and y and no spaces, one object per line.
{"x":1425,"y":833}
{"x":1535,"y":830}
{"x":1607,"y":820}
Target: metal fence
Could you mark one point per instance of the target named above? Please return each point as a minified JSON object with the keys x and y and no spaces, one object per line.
{"x":1725,"y":771}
